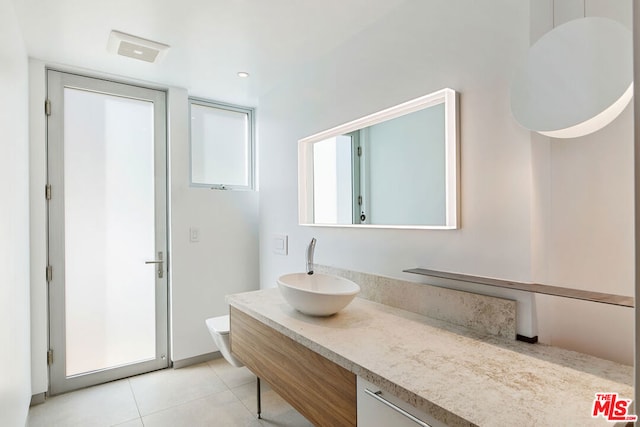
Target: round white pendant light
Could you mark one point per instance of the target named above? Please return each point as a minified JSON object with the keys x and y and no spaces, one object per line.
{"x":576,"y":79}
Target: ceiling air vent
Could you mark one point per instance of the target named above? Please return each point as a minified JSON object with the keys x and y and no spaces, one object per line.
{"x":136,"y":47}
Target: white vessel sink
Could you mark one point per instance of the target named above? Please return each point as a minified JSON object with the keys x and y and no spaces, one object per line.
{"x":317,"y":294}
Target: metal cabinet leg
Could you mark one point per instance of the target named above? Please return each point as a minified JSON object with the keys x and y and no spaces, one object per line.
{"x":258,"y":398}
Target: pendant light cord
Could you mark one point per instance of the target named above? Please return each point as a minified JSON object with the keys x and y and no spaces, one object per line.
{"x":553,"y":11}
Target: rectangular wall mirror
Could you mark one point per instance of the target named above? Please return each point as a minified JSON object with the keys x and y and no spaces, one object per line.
{"x":397,"y":168}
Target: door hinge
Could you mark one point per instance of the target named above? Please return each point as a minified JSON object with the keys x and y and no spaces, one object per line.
{"x":49,"y":273}
{"x":47,"y":107}
{"x":47,"y":191}
{"x":359,"y":151}
{"x":49,"y":357}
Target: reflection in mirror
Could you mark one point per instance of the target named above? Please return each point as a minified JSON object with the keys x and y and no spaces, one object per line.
{"x":334,"y":178}
{"x":395,"y":168}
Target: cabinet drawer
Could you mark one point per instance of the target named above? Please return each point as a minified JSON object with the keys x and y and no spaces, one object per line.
{"x":377,"y":408}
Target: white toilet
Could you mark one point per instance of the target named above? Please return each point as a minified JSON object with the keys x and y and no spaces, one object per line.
{"x":219,"y":330}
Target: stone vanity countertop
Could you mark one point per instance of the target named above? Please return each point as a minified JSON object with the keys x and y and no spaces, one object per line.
{"x":461,"y":377}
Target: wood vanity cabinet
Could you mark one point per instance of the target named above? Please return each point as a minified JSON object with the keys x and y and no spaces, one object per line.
{"x":322,"y":391}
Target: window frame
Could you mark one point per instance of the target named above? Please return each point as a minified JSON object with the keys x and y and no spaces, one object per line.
{"x":251,"y":161}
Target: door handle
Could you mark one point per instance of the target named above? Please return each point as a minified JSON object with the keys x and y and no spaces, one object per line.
{"x":160,"y":262}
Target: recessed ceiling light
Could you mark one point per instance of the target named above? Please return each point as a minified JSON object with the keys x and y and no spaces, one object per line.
{"x":243,"y":74}
{"x":136,"y":47}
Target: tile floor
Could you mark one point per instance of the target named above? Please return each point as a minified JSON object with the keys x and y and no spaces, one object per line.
{"x":213,"y":393}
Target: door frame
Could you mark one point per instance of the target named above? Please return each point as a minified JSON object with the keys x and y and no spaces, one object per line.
{"x":56,"y":81}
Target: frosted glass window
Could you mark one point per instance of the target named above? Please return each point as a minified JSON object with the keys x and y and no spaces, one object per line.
{"x":221,"y":146}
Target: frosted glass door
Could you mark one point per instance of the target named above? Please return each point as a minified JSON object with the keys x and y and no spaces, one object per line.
{"x":109,"y":231}
{"x":109,"y":296}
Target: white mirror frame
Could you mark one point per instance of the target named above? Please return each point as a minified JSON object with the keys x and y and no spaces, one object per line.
{"x":305,"y":158}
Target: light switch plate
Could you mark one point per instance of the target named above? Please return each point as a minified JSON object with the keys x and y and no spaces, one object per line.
{"x":280,"y":243}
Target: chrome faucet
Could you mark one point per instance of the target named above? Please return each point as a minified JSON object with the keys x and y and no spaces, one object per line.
{"x":310,"y":249}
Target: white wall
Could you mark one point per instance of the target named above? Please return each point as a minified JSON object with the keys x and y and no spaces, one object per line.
{"x":419,"y":48}
{"x":224,"y":261}
{"x":15,"y":381}
{"x":584,"y":215}
{"x":525,"y":211}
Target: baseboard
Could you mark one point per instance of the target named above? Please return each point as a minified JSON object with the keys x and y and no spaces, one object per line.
{"x":177,"y":364}
{"x":37,"y":399}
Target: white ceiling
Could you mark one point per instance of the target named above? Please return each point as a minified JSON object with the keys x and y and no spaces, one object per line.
{"x":211,"y":40}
